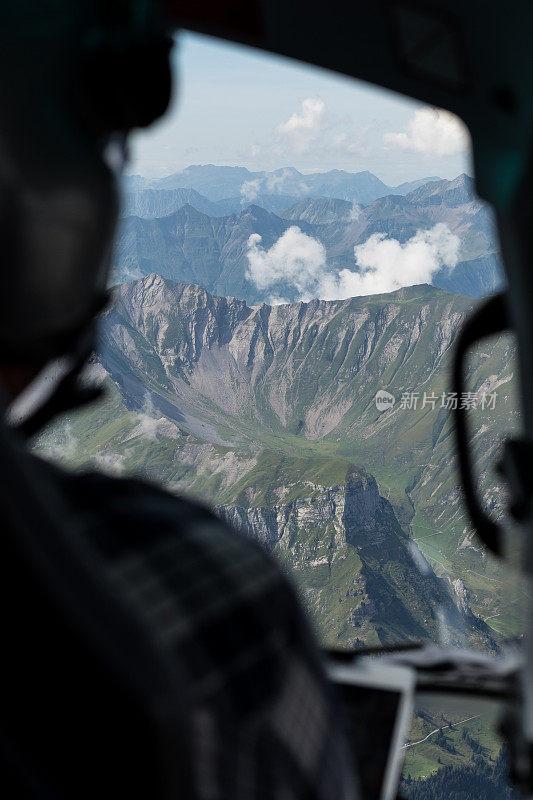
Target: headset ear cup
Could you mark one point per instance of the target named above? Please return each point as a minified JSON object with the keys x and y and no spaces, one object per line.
{"x":127,"y":84}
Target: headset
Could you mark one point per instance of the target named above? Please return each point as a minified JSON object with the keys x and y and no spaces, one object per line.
{"x":84,"y":74}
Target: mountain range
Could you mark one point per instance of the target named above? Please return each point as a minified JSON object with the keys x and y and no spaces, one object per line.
{"x":193,"y":243}
{"x":267,"y":413}
{"x":221,"y":182}
{"x":150,"y":203}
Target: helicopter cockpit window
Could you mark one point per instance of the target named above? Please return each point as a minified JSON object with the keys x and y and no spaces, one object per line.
{"x":295,"y":255}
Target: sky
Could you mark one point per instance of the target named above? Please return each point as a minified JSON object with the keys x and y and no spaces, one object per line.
{"x":234,"y":105}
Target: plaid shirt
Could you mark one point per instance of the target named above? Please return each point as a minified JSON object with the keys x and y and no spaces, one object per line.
{"x":260,"y":721}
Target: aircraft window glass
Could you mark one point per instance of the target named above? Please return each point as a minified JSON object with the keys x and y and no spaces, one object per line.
{"x":295,"y":255}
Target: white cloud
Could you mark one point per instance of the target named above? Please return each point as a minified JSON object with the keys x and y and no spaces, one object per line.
{"x":348,"y":143}
{"x":279,"y":182}
{"x":313,"y":131}
{"x":298,"y":262}
{"x":295,"y":260}
{"x":124,"y":273}
{"x":284,"y":180}
{"x":110,"y":463}
{"x":59,"y":443}
{"x":150,"y":424}
{"x":304,"y":126}
{"x":385,"y":264}
{"x":275,"y":182}
{"x":147,"y":420}
{"x":250,"y":191}
{"x":432,"y":132}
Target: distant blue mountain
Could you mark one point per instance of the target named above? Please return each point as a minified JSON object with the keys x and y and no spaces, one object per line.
{"x":149,"y":203}
{"x":218,"y":183}
{"x":195,"y":245}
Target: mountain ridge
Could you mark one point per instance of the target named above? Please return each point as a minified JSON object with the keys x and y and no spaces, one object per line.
{"x":213,"y":250}
{"x":266,"y":410}
{"x":220,"y":182}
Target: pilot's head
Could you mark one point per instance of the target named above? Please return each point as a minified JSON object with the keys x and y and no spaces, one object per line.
{"x":75,"y":78}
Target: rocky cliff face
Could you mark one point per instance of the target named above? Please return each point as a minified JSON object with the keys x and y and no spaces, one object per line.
{"x":308,"y":369}
{"x":283,"y":376}
{"x":270,"y":413}
{"x":360,"y":575}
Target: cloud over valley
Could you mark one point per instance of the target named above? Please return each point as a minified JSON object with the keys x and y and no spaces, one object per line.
{"x":296,"y":264}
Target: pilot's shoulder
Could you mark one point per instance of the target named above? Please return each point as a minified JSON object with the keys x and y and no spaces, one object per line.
{"x":212,"y":594}
{"x":133,"y":516}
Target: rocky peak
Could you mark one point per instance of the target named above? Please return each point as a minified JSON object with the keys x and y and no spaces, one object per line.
{"x":187,"y":212}
{"x":350,"y":529}
{"x":256,"y":214}
{"x":451,"y":194}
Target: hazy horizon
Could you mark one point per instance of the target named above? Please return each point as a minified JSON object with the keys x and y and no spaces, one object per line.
{"x":179,"y":170}
{"x":236,"y":106}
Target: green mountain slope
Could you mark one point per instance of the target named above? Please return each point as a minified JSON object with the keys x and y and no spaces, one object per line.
{"x":324,"y":518}
{"x":267,"y":411}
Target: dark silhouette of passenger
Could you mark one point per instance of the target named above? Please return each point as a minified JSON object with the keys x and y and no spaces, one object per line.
{"x":108,"y":580}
